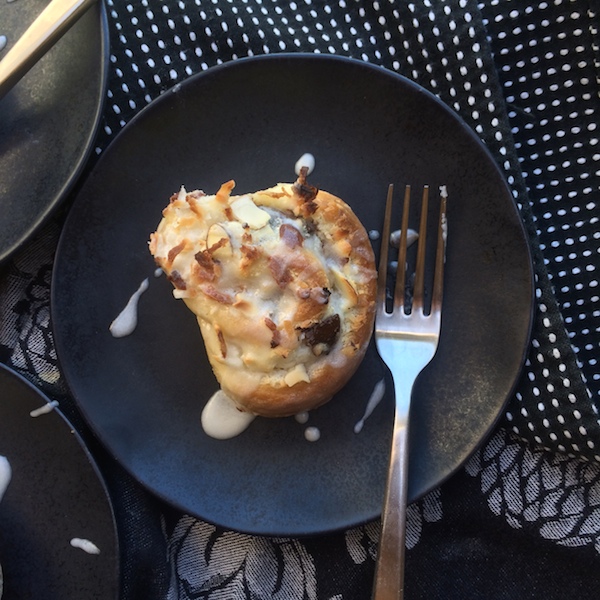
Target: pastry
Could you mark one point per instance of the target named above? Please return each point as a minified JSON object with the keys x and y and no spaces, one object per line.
{"x":282,"y":282}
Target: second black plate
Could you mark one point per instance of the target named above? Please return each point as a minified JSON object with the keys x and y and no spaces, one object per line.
{"x":54,"y":496}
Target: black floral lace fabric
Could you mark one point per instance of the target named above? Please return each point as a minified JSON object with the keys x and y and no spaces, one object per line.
{"x":522,"y":518}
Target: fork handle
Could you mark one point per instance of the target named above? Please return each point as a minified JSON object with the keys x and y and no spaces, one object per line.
{"x":389,"y":571}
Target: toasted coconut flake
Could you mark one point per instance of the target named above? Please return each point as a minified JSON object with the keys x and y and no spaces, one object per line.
{"x":225,"y":191}
{"x":280,"y":271}
{"x":177,"y":280}
{"x":173,"y":252}
{"x":206,"y":265}
{"x":215,"y":294}
{"x":222,"y":342}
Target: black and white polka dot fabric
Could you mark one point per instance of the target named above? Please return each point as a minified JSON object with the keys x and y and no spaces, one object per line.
{"x":522,"y":519}
{"x":550,"y":80}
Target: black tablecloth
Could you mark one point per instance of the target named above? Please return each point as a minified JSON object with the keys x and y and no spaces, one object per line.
{"x":522,"y":518}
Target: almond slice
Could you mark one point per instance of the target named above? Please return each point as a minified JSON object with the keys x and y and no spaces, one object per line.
{"x":296,"y":375}
{"x":247,"y":212}
{"x":346,"y":289}
{"x":218,"y":242}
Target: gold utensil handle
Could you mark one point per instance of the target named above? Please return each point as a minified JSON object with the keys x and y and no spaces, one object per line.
{"x":41,"y":35}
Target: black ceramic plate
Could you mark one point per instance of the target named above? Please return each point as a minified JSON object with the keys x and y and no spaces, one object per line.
{"x":250,"y":120}
{"x":55,"y":495}
{"x":48,"y":120}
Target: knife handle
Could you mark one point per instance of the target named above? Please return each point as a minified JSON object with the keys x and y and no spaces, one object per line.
{"x":41,"y":35}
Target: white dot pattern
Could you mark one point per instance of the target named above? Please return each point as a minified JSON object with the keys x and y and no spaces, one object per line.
{"x":551,"y":87}
{"x":531,"y":98}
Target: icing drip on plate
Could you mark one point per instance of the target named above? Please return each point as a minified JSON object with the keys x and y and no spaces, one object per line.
{"x":222,"y":419}
{"x":85,"y":545}
{"x":376,"y":397}
{"x":126,"y":321}
{"x":306,"y":160}
{"x":44,"y":409}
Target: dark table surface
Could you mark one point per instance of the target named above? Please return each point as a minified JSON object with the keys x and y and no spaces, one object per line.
{"x":521,"y":519}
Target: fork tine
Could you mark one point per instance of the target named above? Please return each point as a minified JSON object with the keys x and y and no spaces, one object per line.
{"x":399,"y":291}
{"x":383,"y":254}
{"x":440,"y":256}
{"x":419,"y":290}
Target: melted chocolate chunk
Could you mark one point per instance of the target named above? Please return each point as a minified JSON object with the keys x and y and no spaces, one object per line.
{"x":324,"y":332}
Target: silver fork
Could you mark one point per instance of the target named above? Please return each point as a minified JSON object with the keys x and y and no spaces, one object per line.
{"x":406,"y":343}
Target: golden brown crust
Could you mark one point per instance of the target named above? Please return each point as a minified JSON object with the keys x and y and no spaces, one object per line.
{"x":282,"y":282}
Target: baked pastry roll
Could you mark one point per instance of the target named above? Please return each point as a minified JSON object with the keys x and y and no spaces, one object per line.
{"x":282,"y":282}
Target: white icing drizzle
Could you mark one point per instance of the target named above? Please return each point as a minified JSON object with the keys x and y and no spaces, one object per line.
{"x":411,"y":238}
{"x":222,"y":419}
{"x":126,"y":321}
{"x":301,"y":417}
{"x":376,"y":397}
{"x":5,"y":474}
{"x":44,"y":409}
{"x":312,"y":434}
{"x":85,"y":545}
{"x":306,"y":160}
{"x":3,"y":42}
{"x":444,"y":195}
{"x":158,"y":272}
